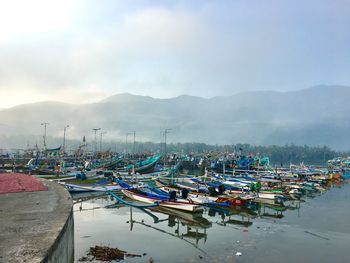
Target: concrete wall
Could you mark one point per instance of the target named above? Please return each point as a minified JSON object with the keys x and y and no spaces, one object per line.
{"x":62,"y":251}
{"x":37,"y":226}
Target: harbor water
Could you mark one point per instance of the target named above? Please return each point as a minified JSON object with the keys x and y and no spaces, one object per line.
{"x":317,"y":229}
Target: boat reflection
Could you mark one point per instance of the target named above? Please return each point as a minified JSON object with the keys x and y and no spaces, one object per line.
{"x":190,"y":219}
{"x":232,"y":216}
{"x":275,"y":212}
{"x":245,"y":216}
{"x":183,"y":225}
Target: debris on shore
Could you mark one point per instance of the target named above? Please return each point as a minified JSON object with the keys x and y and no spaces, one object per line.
{"x":104,"y":253}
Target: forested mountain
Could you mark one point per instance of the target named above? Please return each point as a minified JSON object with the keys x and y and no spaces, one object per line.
{"x":314,"y":116}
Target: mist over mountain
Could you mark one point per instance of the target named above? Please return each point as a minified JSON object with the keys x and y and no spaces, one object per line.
{"x":314,"y":116}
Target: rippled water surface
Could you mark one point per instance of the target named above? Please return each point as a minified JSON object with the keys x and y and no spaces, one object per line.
{"x":316,"y":230}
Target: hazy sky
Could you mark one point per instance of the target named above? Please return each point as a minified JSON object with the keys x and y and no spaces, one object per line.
{"x":83,"y":51}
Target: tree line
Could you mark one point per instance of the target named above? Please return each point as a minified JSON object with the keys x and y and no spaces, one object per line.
{"x":278,"y":155}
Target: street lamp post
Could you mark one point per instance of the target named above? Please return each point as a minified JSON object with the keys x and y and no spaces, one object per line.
{"x":166,"y":131}
{"x":95,"y":130}
{"x":64,"y":139}
{"x":101,"y":140}
{"x":134,"y":133}
{"x":44,"y":124}
{"x":161,"y":140}
{"x":126,"y":140}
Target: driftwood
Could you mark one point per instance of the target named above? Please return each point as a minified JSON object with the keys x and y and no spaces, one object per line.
{"x":104,"y":253}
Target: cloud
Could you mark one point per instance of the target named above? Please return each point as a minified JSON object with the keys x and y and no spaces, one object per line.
{"x":21,"y":19}
{"x":72,"y":95}
{"x":127,"y":55}
{"x":166,"y":49}
{"x":10,"y":97}
{"x":160,"y":30}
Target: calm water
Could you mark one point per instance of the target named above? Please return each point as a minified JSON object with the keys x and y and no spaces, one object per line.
{"x":317,"y":230}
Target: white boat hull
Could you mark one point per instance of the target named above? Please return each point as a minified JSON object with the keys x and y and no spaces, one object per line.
{"x":268,"y":195}
{"x":97,"y":188}
{"x":181,"y":205}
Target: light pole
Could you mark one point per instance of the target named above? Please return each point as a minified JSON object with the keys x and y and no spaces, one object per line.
{"x":166,"y":131}
{"x":134,"y":133}
{"x":161,"y":139}
{"x":95,"y":130}
{"x":44,"y":124}
{"x":101,"y":140}
{"x":64,"y":139}
{"x":126,"y":141}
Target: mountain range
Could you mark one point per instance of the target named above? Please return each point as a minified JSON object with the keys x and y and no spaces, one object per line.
{"x":313,"y":116}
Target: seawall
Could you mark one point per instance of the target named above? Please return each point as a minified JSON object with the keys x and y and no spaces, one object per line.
{"x":37,"y":226}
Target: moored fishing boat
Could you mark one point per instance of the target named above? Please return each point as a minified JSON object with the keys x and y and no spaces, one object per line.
{"x":75,"y":188}
{"x":137,"y":177}
{"x":142,"y":167}
{"x":162,"y":200}
{"x":105,"y":163}
{"x":209,"y":196}
{"x":269,"y":195}
{"x":346,"y":173}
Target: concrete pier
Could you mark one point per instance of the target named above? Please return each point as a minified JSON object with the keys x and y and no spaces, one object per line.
{"x":37,"y":226}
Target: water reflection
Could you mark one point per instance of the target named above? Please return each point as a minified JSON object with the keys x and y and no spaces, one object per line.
{"x":189,"y":225}
{"x":182,"y":224}
{"x":103,"y":220}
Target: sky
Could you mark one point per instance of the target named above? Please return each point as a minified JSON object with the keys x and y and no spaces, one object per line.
{"x":84,"y":51}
